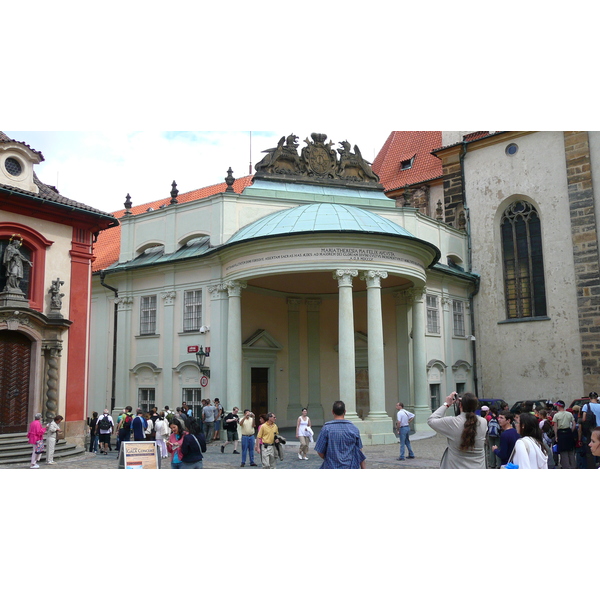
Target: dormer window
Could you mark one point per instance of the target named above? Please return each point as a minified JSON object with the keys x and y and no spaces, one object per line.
{"x":407,"y":164}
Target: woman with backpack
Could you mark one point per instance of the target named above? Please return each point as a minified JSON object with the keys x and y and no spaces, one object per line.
{"x":465,"y":432}
{"x":530,"y":451}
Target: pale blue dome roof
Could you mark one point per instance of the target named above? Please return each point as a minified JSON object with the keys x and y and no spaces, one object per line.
{"x":319,"y":217}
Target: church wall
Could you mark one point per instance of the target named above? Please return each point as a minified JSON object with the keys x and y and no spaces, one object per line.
{"x":58,"y":264}
{"x":527,"y":360}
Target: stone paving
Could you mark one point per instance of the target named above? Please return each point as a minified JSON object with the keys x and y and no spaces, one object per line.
{"x":428,"y":449}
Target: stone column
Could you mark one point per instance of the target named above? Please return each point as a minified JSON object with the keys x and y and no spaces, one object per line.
{"x":53,"y":354}
{"x":218,"y":341}
{"x":379,"y":426}
{"x":313,"y":331}
{"x":294,"y":408}
{"x":124,"y":336}
{"x":234,"y":345}
{"x":347,"y":368}
{"x":375,"y":344}
{"x":169,"y":336}
{"x":421,"y":402}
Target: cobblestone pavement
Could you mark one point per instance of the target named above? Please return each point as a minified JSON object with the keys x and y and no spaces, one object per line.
{"x":428,"y":451}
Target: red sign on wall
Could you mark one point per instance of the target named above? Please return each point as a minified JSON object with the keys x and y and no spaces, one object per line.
{"x":193,"y":349}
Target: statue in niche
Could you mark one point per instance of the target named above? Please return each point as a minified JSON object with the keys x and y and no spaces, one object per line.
{"x":284,"y":159}
{"x":12,"y":261}
{"x":55,"y":295}
{"x":353,"y":166}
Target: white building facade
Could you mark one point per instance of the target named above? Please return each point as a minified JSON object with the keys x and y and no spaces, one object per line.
{"x":307,"y":286}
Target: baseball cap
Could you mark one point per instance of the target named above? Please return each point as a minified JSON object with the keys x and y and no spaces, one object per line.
{"x":560,"y":403}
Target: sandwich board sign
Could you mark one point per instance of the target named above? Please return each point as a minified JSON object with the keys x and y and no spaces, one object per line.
{"x":139,"y":455}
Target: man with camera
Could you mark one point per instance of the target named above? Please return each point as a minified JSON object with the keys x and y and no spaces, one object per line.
{"x":247,"y":425}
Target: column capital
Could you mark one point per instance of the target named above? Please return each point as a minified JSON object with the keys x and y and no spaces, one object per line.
{"x":313,"y":304}
{"x":216,"y":291}
{"x":234,"y":288}
{"x":373,"y":277}
{"x":345,"y":276}
{"x":415,"y":294}
{"x":294,"y":304}
{"x":169,"y":297}
{"x":124,"y":302}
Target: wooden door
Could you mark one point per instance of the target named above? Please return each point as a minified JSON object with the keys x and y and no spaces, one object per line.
{"x":259,"y":392}
{"x":15,"y":362}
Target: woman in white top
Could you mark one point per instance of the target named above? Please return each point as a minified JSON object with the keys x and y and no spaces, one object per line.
{"x":161,"y":427}
{"x":530,"y":452}
{"x":301,"y":433}
{"x":52,"y":430}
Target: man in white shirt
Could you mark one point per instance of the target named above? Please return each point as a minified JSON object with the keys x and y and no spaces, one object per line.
{"x":104,"y":428}
{"x":403,"y":421}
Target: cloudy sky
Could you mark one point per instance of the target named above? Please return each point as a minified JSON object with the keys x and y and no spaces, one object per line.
{"x":101,"y":168}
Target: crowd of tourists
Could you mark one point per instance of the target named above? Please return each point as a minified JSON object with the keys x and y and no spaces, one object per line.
{"x":530,"y":437}
{"x":477,"y":436}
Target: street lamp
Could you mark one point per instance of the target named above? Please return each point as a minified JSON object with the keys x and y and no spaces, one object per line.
{"x":201,"y":357}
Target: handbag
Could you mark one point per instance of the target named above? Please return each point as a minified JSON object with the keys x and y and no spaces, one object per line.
{"x":60,"y":435}
{"x":510,"y":464}
{"x":39,"y":447}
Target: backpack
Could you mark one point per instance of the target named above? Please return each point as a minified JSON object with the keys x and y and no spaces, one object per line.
{"x":105,"y":423}
{"x":127,"y":421}
{"x":493,"y":427}
{"x":590,"y":420}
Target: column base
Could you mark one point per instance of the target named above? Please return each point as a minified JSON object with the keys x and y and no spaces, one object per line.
{"x":421,"y":416}
{"x":378,"y":430}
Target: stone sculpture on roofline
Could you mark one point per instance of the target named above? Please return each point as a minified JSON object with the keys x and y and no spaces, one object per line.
{"x":317,"y":163}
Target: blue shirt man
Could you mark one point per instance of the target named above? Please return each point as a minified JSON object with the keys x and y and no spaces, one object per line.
{"x":139,"y":426}
{"x":339,"y":443}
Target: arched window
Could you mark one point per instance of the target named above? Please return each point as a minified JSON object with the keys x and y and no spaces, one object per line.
{"x":524,"y":283}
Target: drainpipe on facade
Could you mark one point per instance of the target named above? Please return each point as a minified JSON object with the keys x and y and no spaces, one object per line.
{"x":469,"y":266}
{"x":114,"y":352}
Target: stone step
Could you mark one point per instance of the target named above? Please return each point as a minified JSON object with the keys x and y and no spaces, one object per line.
{"x":24,"y":456}
{"x":24,"y":446}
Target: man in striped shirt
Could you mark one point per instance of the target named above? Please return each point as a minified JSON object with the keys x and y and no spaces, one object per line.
{"x":339,"y":443}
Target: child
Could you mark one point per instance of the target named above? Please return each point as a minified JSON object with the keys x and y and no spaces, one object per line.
{"x":595,"y":443}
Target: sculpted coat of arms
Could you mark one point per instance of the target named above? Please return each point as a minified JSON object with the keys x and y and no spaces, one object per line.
{"x":317,"y":163}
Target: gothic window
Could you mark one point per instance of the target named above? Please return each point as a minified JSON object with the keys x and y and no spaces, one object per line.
{"x":524,"y":283}
{"x":148,"y":315}
{"x":192,"y":310}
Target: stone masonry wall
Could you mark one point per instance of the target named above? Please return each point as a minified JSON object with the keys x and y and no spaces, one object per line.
{"x":453,"y":196}
{"x":585,"y":252}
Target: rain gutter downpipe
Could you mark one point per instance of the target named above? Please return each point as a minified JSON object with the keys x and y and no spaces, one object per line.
{"x":470,"y":266}
{"x":114,"y":351}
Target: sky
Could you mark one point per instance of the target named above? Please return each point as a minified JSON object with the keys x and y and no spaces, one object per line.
{"x":99,"y":168}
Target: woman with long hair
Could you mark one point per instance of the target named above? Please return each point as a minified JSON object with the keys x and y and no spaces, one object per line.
{"x":302,"y":425}
{"x":175,"y":442}
{"x":465,"y":432}
{"x":530,"y":452}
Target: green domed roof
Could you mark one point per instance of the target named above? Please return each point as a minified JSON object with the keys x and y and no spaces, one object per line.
{"x":319,"y":218}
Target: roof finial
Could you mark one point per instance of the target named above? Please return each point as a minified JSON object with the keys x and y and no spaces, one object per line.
{"x":174,"y":192}
{"x":229,"y":180}
{"x":128,"y":204}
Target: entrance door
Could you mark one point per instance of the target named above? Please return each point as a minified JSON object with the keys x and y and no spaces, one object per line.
{"x":259,"y":392}
{"x":15,"y":360}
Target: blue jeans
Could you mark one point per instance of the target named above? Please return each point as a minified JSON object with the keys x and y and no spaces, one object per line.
{"x":248,"y":448}
{"x":405,"y":441}
{"x":94,"y":443}
{"x":196,"y":465}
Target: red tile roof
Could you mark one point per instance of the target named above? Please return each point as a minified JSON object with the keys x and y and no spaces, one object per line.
{"x":401,"y":146}
{"x":108,"y":246}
